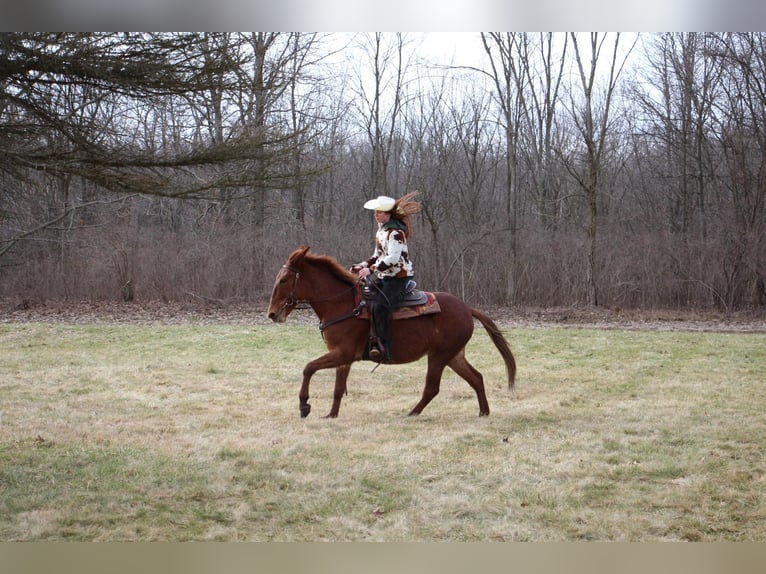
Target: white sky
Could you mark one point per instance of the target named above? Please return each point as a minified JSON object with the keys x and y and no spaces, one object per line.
{"x":454,"y":48}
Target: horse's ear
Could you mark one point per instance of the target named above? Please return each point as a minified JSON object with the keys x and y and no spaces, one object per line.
{"x":296,"y":258}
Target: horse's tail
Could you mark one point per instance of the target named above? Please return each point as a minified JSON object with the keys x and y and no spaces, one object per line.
{"x":502,"y":345}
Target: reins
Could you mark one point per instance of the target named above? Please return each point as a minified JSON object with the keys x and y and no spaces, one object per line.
{"x":353,"y":313}
{"x":291,"y":300}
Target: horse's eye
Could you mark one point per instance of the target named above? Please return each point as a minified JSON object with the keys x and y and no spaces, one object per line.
{"x":283,"y":281}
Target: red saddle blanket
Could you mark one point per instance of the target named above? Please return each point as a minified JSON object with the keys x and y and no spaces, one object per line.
{"x":430,"y":306}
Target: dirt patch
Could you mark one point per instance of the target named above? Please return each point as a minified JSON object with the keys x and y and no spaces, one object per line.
{"x":156,"y":312}
{"x":632,"y":319}
{"x":143,"y":313}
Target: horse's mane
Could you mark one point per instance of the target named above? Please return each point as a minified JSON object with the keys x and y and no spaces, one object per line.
{"x":332,"y":266}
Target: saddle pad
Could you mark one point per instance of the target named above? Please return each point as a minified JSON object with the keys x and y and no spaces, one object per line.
{"x":431,"y":306}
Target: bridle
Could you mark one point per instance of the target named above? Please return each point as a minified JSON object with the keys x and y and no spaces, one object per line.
{"x":291,"y":301}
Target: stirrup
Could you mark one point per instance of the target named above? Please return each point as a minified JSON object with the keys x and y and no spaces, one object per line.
{"x":376,"y":354}
{"x":376,"y":350}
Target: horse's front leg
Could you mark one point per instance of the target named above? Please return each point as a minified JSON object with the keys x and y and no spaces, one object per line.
{"x":326,"y":361}
{"x":341,"y":375}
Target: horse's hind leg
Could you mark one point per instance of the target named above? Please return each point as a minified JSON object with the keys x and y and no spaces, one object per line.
{"x":462,"y":367}
{"x":433,"y":382}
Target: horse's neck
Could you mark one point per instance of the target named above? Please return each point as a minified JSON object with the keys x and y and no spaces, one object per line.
{"x":330,"y":295}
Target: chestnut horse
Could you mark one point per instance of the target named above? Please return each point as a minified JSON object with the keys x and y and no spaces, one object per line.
{"x":329,"y":289}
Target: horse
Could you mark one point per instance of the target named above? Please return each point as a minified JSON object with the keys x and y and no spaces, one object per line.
{"x":329,"y":289}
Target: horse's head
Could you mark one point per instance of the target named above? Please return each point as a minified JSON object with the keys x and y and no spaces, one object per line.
{"x":283,"y":296}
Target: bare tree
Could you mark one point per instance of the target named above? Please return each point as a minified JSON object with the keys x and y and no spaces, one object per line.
{"x":542,"y":62}
{"x":677,"y":104}
{"x":381,"y":92}
{"x":163,"y":166}
{"x":741,"y":127}
{"x":507,"y":78}
{"x":590,"y":108}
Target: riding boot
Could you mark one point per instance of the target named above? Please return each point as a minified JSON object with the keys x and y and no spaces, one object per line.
{"x":391,"y":291}
{"x":380,"y":349}
{"x":377,"y":352}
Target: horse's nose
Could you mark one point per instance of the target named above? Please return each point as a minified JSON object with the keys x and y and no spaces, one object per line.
{"x":272,"y":316}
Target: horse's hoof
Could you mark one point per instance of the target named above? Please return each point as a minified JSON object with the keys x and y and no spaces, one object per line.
{"x":305,"y":410}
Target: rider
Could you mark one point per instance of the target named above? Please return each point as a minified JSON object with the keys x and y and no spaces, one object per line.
{"x":390,"y":264}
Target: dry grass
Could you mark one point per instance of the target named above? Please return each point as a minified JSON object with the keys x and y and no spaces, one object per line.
{"x":148,"y":432}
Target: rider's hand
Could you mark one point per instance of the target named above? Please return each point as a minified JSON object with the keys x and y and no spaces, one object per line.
{"x":364,"y":272}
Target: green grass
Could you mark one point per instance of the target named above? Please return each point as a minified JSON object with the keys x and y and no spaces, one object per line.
{"x":193,"y":433}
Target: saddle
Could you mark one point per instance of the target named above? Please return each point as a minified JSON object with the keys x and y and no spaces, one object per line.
{"x":414,"y":303}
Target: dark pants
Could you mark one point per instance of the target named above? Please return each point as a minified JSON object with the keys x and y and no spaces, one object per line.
{"x":391,"y":292}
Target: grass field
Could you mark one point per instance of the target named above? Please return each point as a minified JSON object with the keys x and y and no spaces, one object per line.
{"x":151,"y":432}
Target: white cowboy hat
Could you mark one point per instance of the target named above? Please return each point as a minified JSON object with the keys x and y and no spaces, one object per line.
{"x":381,"y":203}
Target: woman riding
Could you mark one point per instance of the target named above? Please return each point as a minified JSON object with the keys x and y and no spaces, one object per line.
{"x":390,"y":264}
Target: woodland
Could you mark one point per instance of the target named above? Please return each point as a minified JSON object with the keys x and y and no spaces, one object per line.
{"x":558,"y":169}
